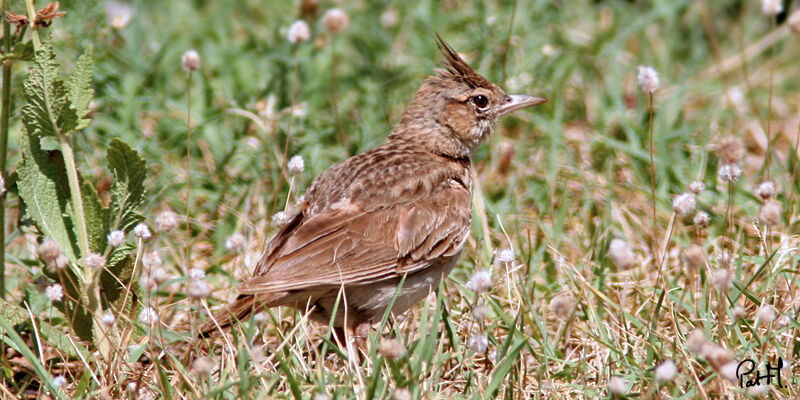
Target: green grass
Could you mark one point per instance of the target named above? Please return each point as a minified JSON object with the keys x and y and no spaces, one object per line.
{"x":558,"y":183}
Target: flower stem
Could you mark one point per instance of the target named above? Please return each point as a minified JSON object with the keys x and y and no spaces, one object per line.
{"x":508,"y":40}
{"x":652,"y":182}
{"x":37,"y":43}
{"x":4,"y":117}
{"x":90,"y":294}
{"x":188,"y":173}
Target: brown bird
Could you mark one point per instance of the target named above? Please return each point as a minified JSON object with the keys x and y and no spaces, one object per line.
{"x":398,"y":212}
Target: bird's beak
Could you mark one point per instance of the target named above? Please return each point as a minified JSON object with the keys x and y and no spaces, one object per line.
{"x":516,"y":102}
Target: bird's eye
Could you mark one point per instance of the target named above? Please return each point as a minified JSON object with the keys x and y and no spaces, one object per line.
{"x":481,"y":101}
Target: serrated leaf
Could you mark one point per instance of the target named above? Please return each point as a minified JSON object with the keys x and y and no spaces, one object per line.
{"x":47,"y":111}
{"x":43,"y":187}
{"x":127,"y":191}
{"x":12,"y":313}
{"x":95,"y":216}
{"x":78,"y":85}
{"x":60,"y":340}
{"x":112,"y":290}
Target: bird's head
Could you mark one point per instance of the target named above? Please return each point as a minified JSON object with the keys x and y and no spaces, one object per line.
{"x":454,"y":111}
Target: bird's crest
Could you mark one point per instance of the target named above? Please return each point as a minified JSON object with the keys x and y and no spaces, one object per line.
{"x":457,"y":68}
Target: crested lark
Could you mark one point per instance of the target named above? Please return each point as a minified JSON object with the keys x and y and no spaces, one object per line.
{"x":401,"y":210}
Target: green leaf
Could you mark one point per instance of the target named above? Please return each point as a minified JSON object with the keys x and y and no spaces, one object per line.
{"x":12,"y":339}
{"x":502,"y":369}
{"x":43,"y":187}
{"x":95,"y":216}
{"x":11,"y":313}
{"x":119,"y":270}
{"x":127,"y":191}
{"x":78,"y":85}
{"x":47,"y":111}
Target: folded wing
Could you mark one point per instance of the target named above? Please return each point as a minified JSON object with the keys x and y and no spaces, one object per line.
{"x":349,"y":245}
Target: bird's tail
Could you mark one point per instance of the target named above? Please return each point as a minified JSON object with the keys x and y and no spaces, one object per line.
{"x":238,"y":311}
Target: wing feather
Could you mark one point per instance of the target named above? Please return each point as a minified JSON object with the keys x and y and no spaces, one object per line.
{"x":349,"y":245}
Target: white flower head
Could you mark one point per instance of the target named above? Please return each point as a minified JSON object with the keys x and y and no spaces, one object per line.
{"x":765,"y":190}
{"x":729,"y":173}
{"x":2,"y":185}
{"x":116,"y":238}
{"x":766,"y":313}
{"x":151,"y":259}
{"x":196,"y":274}
{"x":55,"y":292}
{"x":684,"y":204}
{"x":335,"y":20}
{"x":697,"y":187}
{"x":758,"y":390}
{"x":648,"y":79}
{"x":108,"y":318}
{"x":728,"y":370}
{"x":119,"y":14}
{"x":481,"y":281}
{"x":701,"y":219}
{"x":402,"y":394}
{"x":59,"y":382}
{"x":160,"y":275}
{"x":298,"y":32}
{"x":95,"y":261}
{"x":696,"y":341}
{"x":770,"y":213}
{"x":280,"y":219}
{"x":392,"y":349}
{"x":771,"y":7}
{"x":166,"y":221}
{"x":190,"y":61}
{"x":478,"y":342}
{"x":58,"y":264}
{"x":389,"y":18}
{"x":199,"y":289}
{"x":141,"y":231}
{"x":794,"y":21}
{"x":296,"y":165}
{"x":621,"y":254}
{"x":49,"y":250}
{"x":261,"y":318}
{"x":563,"y":305}
{"x":722,"y":279}
{"x":666,"y":371}
{"x":236,"y":243}
{"x":148,"y":315}
{"x":617,"y":385}
{"x":480,"y":313}
{"x":202,"y":366}
{"x":505,"y":256}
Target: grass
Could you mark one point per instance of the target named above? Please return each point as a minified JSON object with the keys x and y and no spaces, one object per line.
{"x":557,"y":184}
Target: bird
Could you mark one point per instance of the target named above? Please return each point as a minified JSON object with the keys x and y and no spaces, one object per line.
{"x":385,"y":226}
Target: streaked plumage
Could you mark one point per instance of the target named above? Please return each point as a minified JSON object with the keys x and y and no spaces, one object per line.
{"x":401,"y":210}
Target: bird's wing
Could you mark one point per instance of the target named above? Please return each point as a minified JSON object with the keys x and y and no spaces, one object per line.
{"x":349,"y":245}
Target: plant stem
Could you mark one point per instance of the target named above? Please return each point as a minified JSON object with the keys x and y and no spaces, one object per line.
{"x":4,"y":117}
{"x":90,"y":295}
{"x":508,"y":40}
{"x":769,"y":107}
{"x":285,"y":160}
{"x":652,"y":181}
{"x":37,"y":43}
{"x":188,"y":173}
